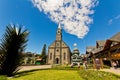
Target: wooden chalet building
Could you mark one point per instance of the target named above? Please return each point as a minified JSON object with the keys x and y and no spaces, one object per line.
{"x":106,"y":51}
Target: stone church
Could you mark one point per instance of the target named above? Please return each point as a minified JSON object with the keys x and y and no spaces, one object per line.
{"x":58,"y":51}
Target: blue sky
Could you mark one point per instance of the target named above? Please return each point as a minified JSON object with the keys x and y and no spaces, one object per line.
{"x":106,"y":23}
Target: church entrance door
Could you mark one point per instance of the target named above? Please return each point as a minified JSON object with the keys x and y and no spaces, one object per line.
{"x":57,"y":61}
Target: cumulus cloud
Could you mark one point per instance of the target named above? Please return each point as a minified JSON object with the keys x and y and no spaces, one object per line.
{"x":113,"y":19}
{"x":73,"y":15}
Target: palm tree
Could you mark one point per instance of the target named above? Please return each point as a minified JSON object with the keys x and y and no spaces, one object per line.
{"x":13,"y":45}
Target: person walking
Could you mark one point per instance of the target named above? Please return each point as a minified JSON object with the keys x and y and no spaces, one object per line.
{"x":85,"y":64}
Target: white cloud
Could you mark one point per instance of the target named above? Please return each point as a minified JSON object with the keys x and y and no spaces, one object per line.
{"x":73,"y":15}
{"x":113,"y":19}
{"x":117,"y":17}
{"x":110,"y":21}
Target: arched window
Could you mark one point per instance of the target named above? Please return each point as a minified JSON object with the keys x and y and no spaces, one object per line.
{"x":50,"y":56}
{"x":64,"y":56}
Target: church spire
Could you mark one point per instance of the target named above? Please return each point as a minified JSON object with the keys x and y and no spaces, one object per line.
{"x":59,"y":26}
{"x":59,"y":33}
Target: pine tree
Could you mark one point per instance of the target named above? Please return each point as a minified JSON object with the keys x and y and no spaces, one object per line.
{"x":43,"y":54}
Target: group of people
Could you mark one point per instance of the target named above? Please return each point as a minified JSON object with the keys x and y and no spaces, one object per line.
{"x":115,"y":64}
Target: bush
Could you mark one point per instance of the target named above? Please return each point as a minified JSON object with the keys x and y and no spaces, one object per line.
{"x":64,"y":67}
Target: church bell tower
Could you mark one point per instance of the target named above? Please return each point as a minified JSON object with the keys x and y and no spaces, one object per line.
{"x":58,"y":51}
{"x":59,"y":33}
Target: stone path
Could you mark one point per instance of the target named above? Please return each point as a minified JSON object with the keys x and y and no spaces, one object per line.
{"x":24,"y":68}
{"x":112,"y":70}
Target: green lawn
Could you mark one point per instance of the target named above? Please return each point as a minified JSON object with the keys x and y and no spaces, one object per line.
{"x":3,"y":77}
{"x":48,"y":75}
{"x":63,"y":73}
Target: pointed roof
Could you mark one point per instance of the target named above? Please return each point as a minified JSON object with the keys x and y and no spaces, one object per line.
{"x":59,"y":26}
{"x":101,"y":42}
{"x":116,"y":37}
{"x":90,"y":48}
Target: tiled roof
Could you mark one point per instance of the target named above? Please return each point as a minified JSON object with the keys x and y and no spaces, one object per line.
{"x":116,"y":37}
{"x":90,"y":48}
{"x":96,"y":50}
{"x":101,"y":42}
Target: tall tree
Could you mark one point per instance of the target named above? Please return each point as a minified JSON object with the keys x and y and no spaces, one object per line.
{"x":43,"y":54}
{"x":13,"y":45}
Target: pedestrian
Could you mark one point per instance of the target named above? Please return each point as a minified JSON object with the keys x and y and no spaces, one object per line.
{"x":72,"y":65}
{"x":117,"y":63}
{"x":85,"y":64}
{"x":114,"y":65}
{"x":78,"y":65}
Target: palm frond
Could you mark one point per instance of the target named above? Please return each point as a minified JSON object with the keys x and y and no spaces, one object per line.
{"x":13,"y":44}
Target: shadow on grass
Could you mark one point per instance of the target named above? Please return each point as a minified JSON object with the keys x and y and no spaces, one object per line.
{"x":28,"y":72}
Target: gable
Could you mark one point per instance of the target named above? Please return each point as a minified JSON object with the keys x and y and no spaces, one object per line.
{"x":115,"y":37}
{"x":100,"y":43}
{"x":90,"y":48}
{"x":64,"y":44}
{"x":53,"y":44}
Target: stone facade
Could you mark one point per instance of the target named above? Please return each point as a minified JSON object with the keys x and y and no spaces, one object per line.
{"x":58,"y":51}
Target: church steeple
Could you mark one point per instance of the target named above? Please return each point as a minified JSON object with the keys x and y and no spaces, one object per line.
{"x":59,"y":33}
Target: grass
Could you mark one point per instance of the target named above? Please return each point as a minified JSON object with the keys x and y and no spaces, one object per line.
{"x":3,"y":78}
{"x":48,"y":75}
{"x":97,"y":75}
{"x":63,"y":73}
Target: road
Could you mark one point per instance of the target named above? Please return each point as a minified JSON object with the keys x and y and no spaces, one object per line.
{"x":112,"y":70}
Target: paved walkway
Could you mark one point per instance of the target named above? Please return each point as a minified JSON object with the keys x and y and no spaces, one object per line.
{"x":112,"y":70}
{"x":24,"y":68}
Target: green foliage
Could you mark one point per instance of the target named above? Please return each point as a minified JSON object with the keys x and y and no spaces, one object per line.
{"x":28,"y":54}
{"x":12,"y":46}
{"x":64,"y":67}
{"x":43,"y":54}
